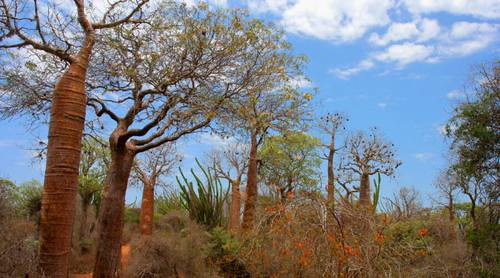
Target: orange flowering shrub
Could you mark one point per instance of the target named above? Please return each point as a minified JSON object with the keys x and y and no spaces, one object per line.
{"x":423,"y":232}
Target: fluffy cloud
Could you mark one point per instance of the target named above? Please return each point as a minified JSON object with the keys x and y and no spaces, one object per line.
{"x":403,"y":54}
{"x":215,"y":140}
{"x":424,"y":42}
{"x":348,"y":72}
{"x":420,"y":31}
{"x":465,"y":38}
{"x":481,"y":8}
{"x":333,"y":20}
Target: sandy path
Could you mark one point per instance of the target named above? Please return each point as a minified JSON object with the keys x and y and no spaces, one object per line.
{"x":124,"y":260}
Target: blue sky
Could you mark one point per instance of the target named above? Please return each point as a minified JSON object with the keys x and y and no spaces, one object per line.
{"x":397,"y":65}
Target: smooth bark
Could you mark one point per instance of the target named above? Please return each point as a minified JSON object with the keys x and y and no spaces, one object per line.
{"x":147,"y":209}
{"x":251,"y":190}
{"x":235,"y":209}
{"x":364,"y":191}
{"x":110,"y":221}
{"x":67,"y":118}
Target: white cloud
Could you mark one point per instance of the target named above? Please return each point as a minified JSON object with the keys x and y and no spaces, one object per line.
{"x":455,"y":94}
{"x":261,"y":6}
{"x":301,"y":82}
{"x":382,"y":105}
{"x":420,"y":31}
{"x":466,"y":38}
{"x":403,"y":54}
{"x":215,"y":140}
{"x":333,"y":20}
{"x":481,"y":8}
{"x":348,"y":72}
{"x":424,"y":156}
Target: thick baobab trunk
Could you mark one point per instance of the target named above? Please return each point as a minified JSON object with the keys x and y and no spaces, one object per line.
{"x":110,"y":222}
{"x":251,"y":190}
{"x":147,"y":209}
{"x":67,"y":118}
{"x":234,"y":210}
{"x":364,"y":191}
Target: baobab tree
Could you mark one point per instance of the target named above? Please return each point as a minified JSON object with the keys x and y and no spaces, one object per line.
{"x":159,"y":82}
{"x":148,"y":170}
{"x":330,"y":125}
{"x":255,"y":115}
{"x":230,"y":163}
{"x":68,"y":35}
{"x":447,"y":185}
{"x":366,"y":155}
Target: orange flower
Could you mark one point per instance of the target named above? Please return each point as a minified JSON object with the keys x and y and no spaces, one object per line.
{"x":285,"y":251}
{"x":289,"y":195}
{"x":349,"y":250}
{"x":379,"y":238}
{"x":307,"y":253}
{"x":421,"y":253}
{"x":299,"y":245}
{"x":330,"y":237}
{"x":423,"y":232}
{"x":304,"y":261}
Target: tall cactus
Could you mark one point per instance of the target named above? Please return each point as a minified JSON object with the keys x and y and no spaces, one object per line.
{"x":376,"y":194}
{"x":206,"y":206}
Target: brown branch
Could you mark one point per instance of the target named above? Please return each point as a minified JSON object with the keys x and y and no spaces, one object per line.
{"x":126,"y":19}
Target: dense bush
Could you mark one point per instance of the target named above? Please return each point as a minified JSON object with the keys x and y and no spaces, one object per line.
{"x":176,"y":249}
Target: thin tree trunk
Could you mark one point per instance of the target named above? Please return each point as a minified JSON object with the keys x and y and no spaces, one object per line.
{"x":67,"y":118}
{"x":110,"y":222}
{"x":364,"y":192}
{"x":83,"y":222}
{"x":235,"y":209}
{"x":451,"y":213}
{"x":251,"y":190}
{"x":330,"y":187}
{"x":147,"y":209}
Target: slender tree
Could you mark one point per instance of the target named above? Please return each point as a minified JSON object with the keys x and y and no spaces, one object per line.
{"x":474,"y":131}
{"x":70,"y":37}
{"x":162,"y":81}
{"x":366,"y":155}
{"x":330,"y":125}
{"x":93,"y":167}
{"x":274,"y":103}
{"x":447,"y":185}
{"x":148,"y":170}
{"x":231,"y":163}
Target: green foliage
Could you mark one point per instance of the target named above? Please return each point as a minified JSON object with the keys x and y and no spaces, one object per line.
{"x":29,"y":199}
{"x":407,"y":234}
{"x":291,"y":160}
{"x":7,"y":193}
{"x":222,"y":243}
{"x":132,"y":215}
{"x":93,"y":168}
{"x":474,"y":130}
{"x":206,"y":206}
{"x":168,"y":202}
{"x":376,"y":194}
